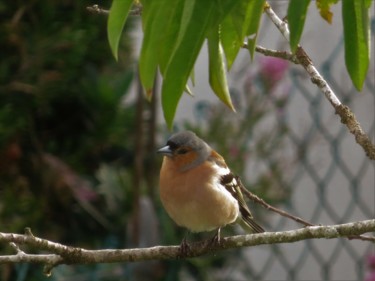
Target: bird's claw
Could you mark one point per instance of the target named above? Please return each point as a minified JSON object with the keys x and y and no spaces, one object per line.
{"x":216,"y":239}
{"x":184,"y":249}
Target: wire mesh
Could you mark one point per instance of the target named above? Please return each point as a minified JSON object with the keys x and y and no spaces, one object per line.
{"x":331,"y":180}
{"x":332,"y":183}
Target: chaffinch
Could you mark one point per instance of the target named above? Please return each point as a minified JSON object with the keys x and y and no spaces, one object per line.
{"x":197,"y":188}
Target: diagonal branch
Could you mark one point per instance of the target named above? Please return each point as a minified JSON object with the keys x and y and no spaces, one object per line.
{"x":263,"y":203}
{"x":274,"y":53}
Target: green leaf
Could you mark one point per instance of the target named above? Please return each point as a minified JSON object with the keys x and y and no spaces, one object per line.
{"x":170,"y":34}
{"x":368,"y":3}
{"x":254,"y":11}
{"x":324,"y":9}
{"x":147,"y":58}
{"x":222,"y":9}
{"x":217,"y":73}
{"x":355,"y":17}
{"x":192,"y":77}
{"x":246,"y":16}
{"x":195,"y":22}
{"x":155,"y":18}
{"x":243,"y":21}
{"x":240,"y":18}
{"x":116,"y":20}
{"x":297,"y":10}
{"x":230,"y":40}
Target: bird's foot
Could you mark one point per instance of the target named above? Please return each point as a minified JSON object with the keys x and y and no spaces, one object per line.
{"x":184,"y":249}
{"x":216,"y":239}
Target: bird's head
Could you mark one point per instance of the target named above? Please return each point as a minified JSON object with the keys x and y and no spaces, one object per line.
{"x":186,"y":150}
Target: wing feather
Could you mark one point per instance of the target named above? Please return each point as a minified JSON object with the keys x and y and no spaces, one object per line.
{"x":230,"y":182}
{"x":247,"y":221}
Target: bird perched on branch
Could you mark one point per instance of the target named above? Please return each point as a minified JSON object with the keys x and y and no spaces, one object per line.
{"x":197,"y":188}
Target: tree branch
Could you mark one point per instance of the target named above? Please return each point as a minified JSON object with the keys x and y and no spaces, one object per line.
{"x":274,"y":53}
{"x":95,"y":9}
{"x":347,"y":116}
{"x":263,"y":203}
{"x":62,"y":254}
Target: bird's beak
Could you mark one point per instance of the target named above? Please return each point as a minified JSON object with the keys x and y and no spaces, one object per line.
{"x":166,"y":150}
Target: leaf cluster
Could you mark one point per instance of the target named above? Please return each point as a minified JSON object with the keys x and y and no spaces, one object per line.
{"x":174,"y":33}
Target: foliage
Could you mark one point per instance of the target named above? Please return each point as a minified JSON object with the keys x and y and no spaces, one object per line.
{"x":62,"y":120}
{"x":297,"y":11}
{"x":66,"y":146}
{"x":355,"y":16}
{"x":183,"y":26}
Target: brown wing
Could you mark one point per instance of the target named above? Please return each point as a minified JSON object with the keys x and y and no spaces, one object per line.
{"x":247,"y":221}
{"x":230,"y":182}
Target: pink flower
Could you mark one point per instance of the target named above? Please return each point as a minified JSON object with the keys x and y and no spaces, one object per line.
{"x":371,"y":264}
{"x":273,"y":69}
{"x":370,"y":276}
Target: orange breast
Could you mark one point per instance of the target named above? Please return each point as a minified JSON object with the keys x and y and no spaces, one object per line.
{"x":193,"y":199}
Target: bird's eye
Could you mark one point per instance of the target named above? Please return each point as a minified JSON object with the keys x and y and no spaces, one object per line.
{"x":182,"y":151}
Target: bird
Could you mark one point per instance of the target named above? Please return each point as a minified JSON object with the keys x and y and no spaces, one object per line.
{"x":198,"y":190}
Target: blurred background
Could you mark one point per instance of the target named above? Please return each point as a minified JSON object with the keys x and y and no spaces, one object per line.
{"x":78,"y":140}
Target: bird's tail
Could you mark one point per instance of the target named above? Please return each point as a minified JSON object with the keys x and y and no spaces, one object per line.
{"x":248,"y":223}
{"x":246,"y":220}
{"x":233,"y":184}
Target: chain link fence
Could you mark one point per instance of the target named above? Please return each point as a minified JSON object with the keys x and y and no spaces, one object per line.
{"x":331,"y":180}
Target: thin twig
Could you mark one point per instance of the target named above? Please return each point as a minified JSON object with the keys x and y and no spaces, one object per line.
{"x":274,"y":53}
{"x":95,"y":9}
{"x":261,"y":202}
{"x":363,"y":238}
{"x":15,"y":247}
